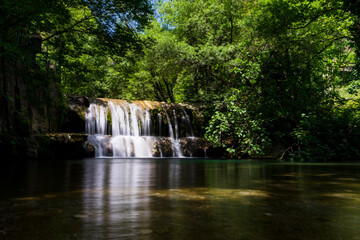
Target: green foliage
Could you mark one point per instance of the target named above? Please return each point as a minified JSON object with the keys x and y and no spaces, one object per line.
{"x":269,"y":70}
{"x":95,"y":54}
{"x":192,"y":50}
{"x":328,"y":135}
{"x":235,"y":128}
{"x":79,"y":40}
{"x":261,"y":66}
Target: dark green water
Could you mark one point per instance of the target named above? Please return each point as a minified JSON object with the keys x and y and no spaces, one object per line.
{"x":179,"y":199}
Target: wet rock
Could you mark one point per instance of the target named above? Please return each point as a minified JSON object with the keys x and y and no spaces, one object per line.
{"x":156,"y":149}
{"x":166,"y":147}
{"x":193,"y":147}
{"x":79,"y":100}
{"x":60,"y":145}
{"x":74,"y":116}
{"x":89,"y":149}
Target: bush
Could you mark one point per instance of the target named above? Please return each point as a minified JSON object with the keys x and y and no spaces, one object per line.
{"x":233,"y":127}
{"x":330,"y":134}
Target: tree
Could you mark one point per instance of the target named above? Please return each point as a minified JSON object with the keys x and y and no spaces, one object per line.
{"x":45,"y":42}
{"x":284,"y":58}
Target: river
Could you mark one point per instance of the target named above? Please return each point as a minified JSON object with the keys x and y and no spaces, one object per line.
{"x":167,"y":198}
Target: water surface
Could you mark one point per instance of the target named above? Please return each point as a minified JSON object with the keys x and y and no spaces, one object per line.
{"x":178,"y":199}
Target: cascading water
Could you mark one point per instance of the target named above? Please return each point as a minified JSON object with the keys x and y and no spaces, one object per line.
{"x":187,"y":123}
{"x":129,"y":121}
{"x":175,"y":145}
{"x":176,"y":141}
{"x":95,"y":119}
{"x":129,"y":133}
{"x":160,"y":121}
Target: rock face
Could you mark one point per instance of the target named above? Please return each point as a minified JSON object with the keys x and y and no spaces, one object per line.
{"x":26,"y":106}
{"x":193,"y":147}
{"x":74,"y":117}
{"x":59,"y":146}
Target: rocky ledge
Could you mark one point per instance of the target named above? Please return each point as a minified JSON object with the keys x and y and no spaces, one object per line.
{"x":59,"y":146}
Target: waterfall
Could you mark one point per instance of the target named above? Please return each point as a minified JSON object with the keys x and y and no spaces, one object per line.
{"x":160,"y":121}
{"x":120,"y":129}
{"x":147,"y":124}
{"x":176,"y":141}
{"x":175,"y":144}
{"x":187,"y":122}
{"x":96,"y":126}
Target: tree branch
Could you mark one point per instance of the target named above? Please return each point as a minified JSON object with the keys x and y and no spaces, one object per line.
{"x":68,"y":29}
{"x":327,"y":45}
{"x":216,"y":76}
{"x":169,"y":91}
{"x":158,"y":91}
{"x":314,"y":19}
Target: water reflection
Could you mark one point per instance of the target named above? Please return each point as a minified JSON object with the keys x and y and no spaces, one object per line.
{"x":166,"y":198}
{"x":115,"y":197}
{"x":179,"y":199}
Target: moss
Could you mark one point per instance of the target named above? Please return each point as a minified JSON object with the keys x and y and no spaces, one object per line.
{"x":108,"y":118}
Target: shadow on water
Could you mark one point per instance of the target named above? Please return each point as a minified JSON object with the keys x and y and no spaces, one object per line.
{"x":179,"y":199}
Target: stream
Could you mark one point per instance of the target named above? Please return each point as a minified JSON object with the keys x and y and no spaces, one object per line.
{"x":170,"y":198}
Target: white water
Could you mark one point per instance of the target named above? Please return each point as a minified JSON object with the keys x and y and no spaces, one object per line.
{"x":176,"y":141}
{"x":160,"y":121}
{"x":95,"y":119}
{"x":129,"y":134}
{"x":187,"y":124}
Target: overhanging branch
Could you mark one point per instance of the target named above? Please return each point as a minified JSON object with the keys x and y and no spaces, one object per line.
{"x":314,"y":19}
{"x":69,"y":29}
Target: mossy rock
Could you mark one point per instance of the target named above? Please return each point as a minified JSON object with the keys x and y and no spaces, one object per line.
{"x":62,"y":145}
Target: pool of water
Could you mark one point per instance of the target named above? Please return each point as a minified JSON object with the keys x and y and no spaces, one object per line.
{"x":178,"y":199}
